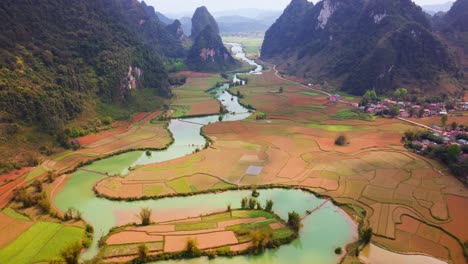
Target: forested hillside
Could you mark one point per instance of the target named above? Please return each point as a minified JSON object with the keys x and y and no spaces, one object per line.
{"x":60,"y":59}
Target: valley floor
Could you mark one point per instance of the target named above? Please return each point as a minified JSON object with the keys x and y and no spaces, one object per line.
{"x":413,"y":204}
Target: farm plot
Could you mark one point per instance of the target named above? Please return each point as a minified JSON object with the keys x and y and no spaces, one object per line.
{"x":40,"y":243}
{"x":219,"y":231}
{"x":192,"y":98}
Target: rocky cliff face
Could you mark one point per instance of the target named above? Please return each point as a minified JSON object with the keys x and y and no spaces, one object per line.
{"x":176,"y":30}
{"x":200,"y":20}
{"x":361,"y":45}
{"x":209,"y":54}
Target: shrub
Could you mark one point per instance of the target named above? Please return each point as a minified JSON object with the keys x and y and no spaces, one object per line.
{"x":38,"y":185}
{"x":71,"y":253}
{"x":44,"y":204}
{"x":269,"y":206}
{"x":365,"y":235}
{"x":145,"y":216}
{"x":338,"y":250}
{"x":341,"y":140}
{"x":261,"y":239}
{"x":191,"y":249}
{"x":294,"y":221}
{"x":244,"y":203}
{"x":142,"y":252}
{"x":252,"y":203}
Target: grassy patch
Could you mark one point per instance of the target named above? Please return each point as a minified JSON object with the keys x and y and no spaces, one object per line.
{"x":13,"y":214}
{"x":219,"y":217}
{"x":354,"y":114}
{"x":310,"y":93}
{"x":246,"y":228}
{"x":281,"y":233}
{"x":129,"y":249}
{"x":152,"y":190}
{"x":180,"y":110}
{"x":195,"y":226}
{"x":221,"y":186}
{"x":181,"y":185}
{"x":42,"y":242}
{"x":35,"y":173}
{"x":332,"y":128}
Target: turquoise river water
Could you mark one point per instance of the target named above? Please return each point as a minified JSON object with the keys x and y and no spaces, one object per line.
{"x":322,"y":231}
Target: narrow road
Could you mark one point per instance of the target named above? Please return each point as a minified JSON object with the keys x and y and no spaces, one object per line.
{"x":419,"y":124}
{"x":310,"y":88}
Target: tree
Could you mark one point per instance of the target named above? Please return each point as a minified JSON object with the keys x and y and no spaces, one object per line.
{"x":71,"y":253}
{"x":365,"y":235}
{"x":444,"y":119}
{"x":252,"y":203}
{"x":244,"y":202}
{"x":281,"y":89}
{"x":453,"y":152}
{"x":394,"y":110}
{"x":38,"y":185}
{"x":269,"y":206}
{"x":145,"y":216}
{"x":191,"y":249}
{"x":369,"y":97}
{"x":142,"y":252}
{"x":261,"y":239}
{"x":294,"y":221}
{"x":454,"y":125}
{"x":341,"y":140}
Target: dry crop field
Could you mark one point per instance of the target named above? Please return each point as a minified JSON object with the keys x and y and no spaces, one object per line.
{"x":410,"y":202}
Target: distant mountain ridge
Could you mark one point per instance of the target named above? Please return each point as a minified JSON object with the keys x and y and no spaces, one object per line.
{"x":433,"y":9}
{"x":362,"y":45}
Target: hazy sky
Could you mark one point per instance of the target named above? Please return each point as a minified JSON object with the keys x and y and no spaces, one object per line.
{"x":178,"y":6}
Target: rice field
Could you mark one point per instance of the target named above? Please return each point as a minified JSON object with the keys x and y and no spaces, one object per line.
{"x":41,"y":243}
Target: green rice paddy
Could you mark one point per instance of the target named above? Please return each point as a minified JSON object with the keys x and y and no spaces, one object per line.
{"x":41,"y":243}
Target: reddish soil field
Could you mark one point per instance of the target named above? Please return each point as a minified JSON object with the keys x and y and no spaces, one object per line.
{"x":458,"y":214}
{"x":121,"y":126}
{"x":150,"y":117}
{"x":11,"y":228}
{"x":13,"y":175}
{"x":6,"y":191}
{"x":191,"y":74}
{"x":138,"y":117}
{"x":206,"y":107}
{"x":129,"y":237}
{"x":227,"y":223}
{"x":241,"y":247}
{"x":204,"y":241}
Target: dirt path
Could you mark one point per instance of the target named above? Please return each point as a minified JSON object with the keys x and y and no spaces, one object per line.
{"x":419,"y":124}
{"x":305,"y":86}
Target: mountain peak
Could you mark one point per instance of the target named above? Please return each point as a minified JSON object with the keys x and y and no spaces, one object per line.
{"x":208,"y":53}
{"x":201,"y":19}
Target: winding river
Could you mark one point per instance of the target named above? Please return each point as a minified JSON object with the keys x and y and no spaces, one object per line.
{"x":322,"y":231}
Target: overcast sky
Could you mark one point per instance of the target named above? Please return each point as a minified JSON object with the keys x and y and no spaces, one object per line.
{"x":180,"y":6}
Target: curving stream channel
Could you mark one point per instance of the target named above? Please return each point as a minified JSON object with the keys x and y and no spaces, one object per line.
{"x":322,"y":231}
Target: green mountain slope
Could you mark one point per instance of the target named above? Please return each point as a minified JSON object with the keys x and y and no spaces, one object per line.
{"x":60,"y":59}
{"x":361,"y":45}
